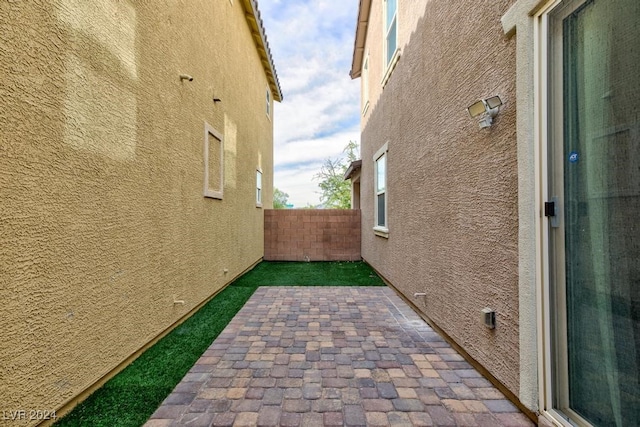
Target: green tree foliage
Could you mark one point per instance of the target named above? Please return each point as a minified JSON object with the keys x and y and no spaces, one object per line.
{"x":335,"y":191}
{"x":280,"y":199}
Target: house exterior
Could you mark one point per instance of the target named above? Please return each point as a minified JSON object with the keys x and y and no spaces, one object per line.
{"x":353,"y":175}
{"x":136,"y":158}
{"x":523,"y":214}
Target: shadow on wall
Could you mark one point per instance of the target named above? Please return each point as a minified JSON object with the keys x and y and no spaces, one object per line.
{"x":451,"y":187}
{"x":104,"y":225}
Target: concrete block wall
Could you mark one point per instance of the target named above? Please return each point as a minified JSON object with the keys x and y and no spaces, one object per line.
{"x":311,"y":235}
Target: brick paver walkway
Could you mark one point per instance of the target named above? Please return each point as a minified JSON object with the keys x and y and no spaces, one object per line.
{"x":332,"y":356}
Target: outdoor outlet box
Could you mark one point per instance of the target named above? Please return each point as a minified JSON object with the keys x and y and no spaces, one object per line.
{"x":489,"y":318}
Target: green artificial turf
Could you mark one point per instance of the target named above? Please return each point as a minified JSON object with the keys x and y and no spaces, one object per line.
{"x":310,"y":274}
{"x":129,"y":398}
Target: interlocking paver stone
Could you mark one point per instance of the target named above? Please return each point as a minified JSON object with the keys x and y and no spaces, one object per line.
{"x":333,"y":356}
{"x":420,"y":419}
{"x":381,"y":405}
{"x":240,"y":406}
{"x":293,"y":393}
{"x":387,"y":390}
{"x":377,"y":419}
{"x":200,"y":405}
{"x":327,"y":405}
{"x":513,"y":419}
{"x":223,"y":420}
{"x":502,"y":405}
{"x":369,"y":393}
{"x":464,"y":419}
{"x":254,"y":393}
{"x":399,"y":419}
{"x":354,"y":415}
{"x":408,"y":405}
{"x":296,"y":405}
{"x":445,"y":393}
{"x":486,"y":420}
{"x":246,"y":419}
{"x":179,"y":398}
{"x":289,"y":419}
{"x":332,"y":418}
{"x":312,"y":419}
{"x":273,"y":396}
{"x":441,"y":416}
{"x":197,"y":419}
{"x":268,"y":416}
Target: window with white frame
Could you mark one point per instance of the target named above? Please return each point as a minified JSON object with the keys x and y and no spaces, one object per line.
{"x":258,"y":188}
{"x":390,"y":29}
{"x":268,"y":99}
{"x":381,"y":200}
{"x":213,"y":163}
{"x":365,"y":84}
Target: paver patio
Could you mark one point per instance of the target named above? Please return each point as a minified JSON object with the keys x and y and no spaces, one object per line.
{"x":332,"y":356}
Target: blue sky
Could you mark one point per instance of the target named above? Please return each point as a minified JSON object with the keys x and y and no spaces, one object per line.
{"x":311,"y":43}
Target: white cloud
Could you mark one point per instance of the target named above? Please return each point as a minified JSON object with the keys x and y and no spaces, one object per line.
{"x":311,"y":43}
{"x":313,"y":150}
{"x":298,"y":161}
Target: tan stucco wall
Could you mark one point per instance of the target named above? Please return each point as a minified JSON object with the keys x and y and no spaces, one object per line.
{"x":452,"y":187}
{"x":103,"y":223}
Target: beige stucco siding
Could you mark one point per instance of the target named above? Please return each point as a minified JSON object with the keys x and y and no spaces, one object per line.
{"x":103,"y":223}
{"x":452,"y":187}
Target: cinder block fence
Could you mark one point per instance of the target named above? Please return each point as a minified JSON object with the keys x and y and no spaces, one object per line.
{"x":312,"y":235}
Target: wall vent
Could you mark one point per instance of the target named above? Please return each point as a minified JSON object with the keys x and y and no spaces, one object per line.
{"x":489,"y":318}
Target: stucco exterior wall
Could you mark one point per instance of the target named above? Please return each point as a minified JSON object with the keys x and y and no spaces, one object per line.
{"x":312,"y":235}
{"x":452,"y":187}
{"x":103,"y":223}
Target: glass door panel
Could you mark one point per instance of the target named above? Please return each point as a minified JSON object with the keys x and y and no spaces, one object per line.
{"x":595,"y":159}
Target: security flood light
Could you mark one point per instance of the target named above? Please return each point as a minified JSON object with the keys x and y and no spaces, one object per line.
{"x":476,"y":109}
{"x":485,"y":110}
{"x":493,"y":102}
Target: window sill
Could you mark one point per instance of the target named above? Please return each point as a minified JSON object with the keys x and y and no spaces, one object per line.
{"x":381,"y":231}
{"x":392,"y":66}
{"x":209,"y":194}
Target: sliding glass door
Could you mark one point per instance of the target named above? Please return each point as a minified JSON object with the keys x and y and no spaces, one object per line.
{"x":594,"y":166}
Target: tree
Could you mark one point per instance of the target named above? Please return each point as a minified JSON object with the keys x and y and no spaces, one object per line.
{"x":280,"y":199}
{"x":352,"y":150}
{"x":335,"y":191}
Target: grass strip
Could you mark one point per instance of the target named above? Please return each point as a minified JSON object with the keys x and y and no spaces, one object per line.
{"x":129,"y":398}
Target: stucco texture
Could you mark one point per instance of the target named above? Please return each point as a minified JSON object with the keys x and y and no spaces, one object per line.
{"x":452,"y":187}
{"x":103,"y":223}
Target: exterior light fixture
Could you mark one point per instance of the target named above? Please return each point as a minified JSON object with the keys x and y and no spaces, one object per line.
{"x":485,"y":110}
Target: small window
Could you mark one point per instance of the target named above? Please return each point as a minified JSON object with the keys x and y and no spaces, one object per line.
{"x":365,"y":85}
{"x":391,"y":30}
{"x":258,"y":188}
{"x":268,"y":96}
{"x":213,"y":163}
{"x":381,"y":200}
